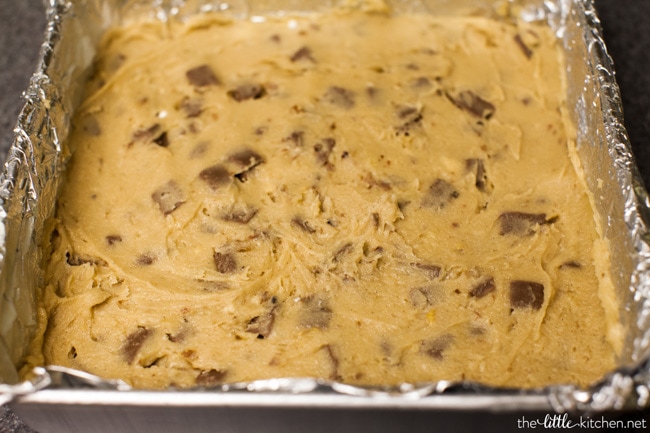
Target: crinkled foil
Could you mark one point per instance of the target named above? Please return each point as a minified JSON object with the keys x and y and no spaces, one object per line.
{"x":30,"y":180}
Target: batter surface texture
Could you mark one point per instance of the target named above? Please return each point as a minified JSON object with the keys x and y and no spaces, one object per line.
{"x":354,"y":196}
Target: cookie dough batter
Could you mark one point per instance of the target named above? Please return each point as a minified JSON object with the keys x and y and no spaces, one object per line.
{"x":360,"y":197}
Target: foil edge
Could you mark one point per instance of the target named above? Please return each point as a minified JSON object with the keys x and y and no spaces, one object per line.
{"x":624,"y":388}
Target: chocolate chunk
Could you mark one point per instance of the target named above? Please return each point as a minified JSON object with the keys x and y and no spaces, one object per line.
{"x":179,"y":337}
{"x":478,"y":166}
{"x":483,"y":288}
{"x":317,"y":312}
{"x":191,"y":107}
{"x":134,"y":343}
{"x":432,"y":271}
{"x":247,"y":91}
{"x":215,"y":176}
{"x":297,"y":137}
{"x":520,"y":223}
{"x":324,"y":149}
{"x":202,"y":76}
{"x":422,"y":83}
{"x":473,"y":104}
{"x":262,"y":325}
{"x":421,"y":297}
{"x":303,"y":53}
{"x":242,"y":216}
{"x":245,"y":161}
{"x":436,"y":347}
{"x":225,"y":262}
{"x":524,"y":48}
{"x":146,"y":259}
{"x":169,"y":197}
{"x":524,"y":294}
{"x":571,"y":265}
{"x":341,"y":97}
{"x":113,"y":239}
{"x":162,"y":140}
{"x":302,"y":225}
{"x":329,"y":350}
{"x":210,"y":378}
{"x":406,"y":112}
{"x":440,"y":194}
{"x":342,"y":251}
{"x":381,"y":184}
{"x":146,"y":134}
{"x":412,"y":117}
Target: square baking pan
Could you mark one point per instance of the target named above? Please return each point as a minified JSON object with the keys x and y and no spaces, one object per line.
{"x":61,"y":399}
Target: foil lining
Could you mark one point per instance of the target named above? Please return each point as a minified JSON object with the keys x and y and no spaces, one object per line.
{"x":31,"y":176}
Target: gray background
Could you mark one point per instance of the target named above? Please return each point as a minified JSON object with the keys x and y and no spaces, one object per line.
{"x":627,"y":33}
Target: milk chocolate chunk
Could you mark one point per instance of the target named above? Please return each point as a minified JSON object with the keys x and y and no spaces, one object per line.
{"x":225,"y":262}
{"x":473,"y":104}
{"x":162,"y":140}
{"x":436,"y":347}
{"x":178,"y":337}
{"x":113,"y":239}
{"x":303,"y":53}
{"x":297,"y":137}
{"x":345,"y":249}
{"x":484,"y":288}
{"x":202,"y":76}
{"x":262,"y":325}
{"x":245,"y":161}
{"x":147,"y":133}
{"x":316,"y":312}
{"x":520,"y":223}
{"x":215,"y":176}
{"x":422,"y":83}
{"x":146,"y":259}
{"x":374,"y":182}
{"x":412,"y":116}
{"x":302,"y":225}
{"x":340,"y":97}
{"x":432,"y":271}
{"x":525,"y":294}
{"x":334,"y":360}
{"x":571,"y":264}
{"x":440,"y":194}
{"x":169,"y":197}
{"x":247,"y":91}
{"x":242,"y":216}
{"x":134,"y":342}
{"x":324,"y":149}
{"x":524,"y":48}
{"x":191,"y":107}
{"x":406,"y":112}
{"x":208,"y":378}
{"x":478,"y":166}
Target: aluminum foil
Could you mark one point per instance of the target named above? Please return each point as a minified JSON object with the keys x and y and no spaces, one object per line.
{"x":31,"y":176}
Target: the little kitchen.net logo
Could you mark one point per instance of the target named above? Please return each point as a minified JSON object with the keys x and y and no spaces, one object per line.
{"x":561,"y":421}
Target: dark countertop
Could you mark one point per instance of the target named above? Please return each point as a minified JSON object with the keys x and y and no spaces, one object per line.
{"x":624,"y":22}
